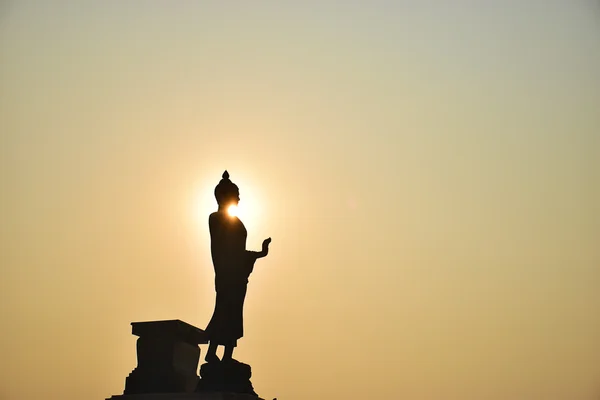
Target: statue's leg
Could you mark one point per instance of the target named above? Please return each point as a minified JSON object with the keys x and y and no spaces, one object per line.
{"x":228,"y":353}
{"x":211,"y":354}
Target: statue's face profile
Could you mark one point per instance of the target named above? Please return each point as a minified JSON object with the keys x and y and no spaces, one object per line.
{"x":230,"y":199}
{"x":235,"y":198}
{"x":230,"y":203}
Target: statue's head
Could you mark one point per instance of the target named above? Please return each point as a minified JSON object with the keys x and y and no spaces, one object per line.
{"x":227,"y":192}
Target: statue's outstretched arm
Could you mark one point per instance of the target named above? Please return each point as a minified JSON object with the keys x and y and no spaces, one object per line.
{"x":265,"y":249}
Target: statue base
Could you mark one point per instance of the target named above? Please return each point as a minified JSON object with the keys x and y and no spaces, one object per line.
{"x":168,"y":356}
{"x":186,"y":396}
{"x":226,"y":376}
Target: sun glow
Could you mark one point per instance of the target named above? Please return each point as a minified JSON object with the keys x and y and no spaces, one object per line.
{"x":233,"y":210}
{"x":249,"y":210}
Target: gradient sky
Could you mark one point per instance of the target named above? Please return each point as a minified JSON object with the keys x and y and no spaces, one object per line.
{"x":429,"y":173}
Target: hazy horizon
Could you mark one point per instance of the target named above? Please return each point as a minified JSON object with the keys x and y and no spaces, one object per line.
{"x":429,"y":174}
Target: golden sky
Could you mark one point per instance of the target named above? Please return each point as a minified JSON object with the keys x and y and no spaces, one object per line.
{"x":429,"y":174}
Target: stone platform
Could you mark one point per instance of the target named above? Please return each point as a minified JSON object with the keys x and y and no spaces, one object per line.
{"x":231,"y":376}
{"x":167,"y":365}
{"x":168,"y":355}
{"x":187,"y":396}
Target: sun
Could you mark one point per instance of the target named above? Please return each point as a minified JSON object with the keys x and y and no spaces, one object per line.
{"x":233,"y":210}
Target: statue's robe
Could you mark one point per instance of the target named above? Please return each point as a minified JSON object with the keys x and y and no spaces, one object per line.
{"x":233,"y":265}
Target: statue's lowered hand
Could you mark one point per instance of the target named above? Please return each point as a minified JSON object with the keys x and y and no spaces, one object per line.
{"x":265,"y":246}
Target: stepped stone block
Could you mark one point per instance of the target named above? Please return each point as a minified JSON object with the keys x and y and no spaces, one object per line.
{"x":167,"y":355}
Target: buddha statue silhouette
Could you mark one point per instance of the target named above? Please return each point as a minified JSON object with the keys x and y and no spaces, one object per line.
{"x":233,"y":265}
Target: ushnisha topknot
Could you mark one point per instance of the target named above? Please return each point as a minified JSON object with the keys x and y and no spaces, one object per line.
{"x":225,"y":189}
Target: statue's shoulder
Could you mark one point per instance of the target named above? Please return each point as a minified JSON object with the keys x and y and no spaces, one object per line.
{"x":216,"y":219}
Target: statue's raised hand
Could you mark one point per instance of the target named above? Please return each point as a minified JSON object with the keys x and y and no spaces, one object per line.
{"x":265,"y":247}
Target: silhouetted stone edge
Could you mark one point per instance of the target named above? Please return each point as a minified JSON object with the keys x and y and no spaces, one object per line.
{"x":167,"y":355}
{"x":226,"y":376}
{"x":186,"y":396}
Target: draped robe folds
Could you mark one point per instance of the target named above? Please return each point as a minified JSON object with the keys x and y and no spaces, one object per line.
{"x":233,"y":265}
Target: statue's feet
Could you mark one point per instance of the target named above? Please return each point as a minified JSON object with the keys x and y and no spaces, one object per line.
{"x":211,"y":358}
{"x":229,"y":360}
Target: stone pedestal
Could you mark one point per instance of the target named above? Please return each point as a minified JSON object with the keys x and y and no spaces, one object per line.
{"x":231,"y":376}
{"x":187,"y":396}
{"x":168,"y":355}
